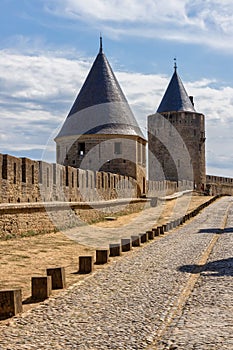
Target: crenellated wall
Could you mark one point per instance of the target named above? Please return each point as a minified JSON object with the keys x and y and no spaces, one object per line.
{"x":23,"y":180}
{"x":37,"y":196}
{"x":219,"y":185}
{"x":26,"y":180}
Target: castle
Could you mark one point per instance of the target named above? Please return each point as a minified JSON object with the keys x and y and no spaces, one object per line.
{"x":101,"y":151}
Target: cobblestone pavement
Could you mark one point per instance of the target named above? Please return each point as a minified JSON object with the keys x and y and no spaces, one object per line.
{"x":207,"y":318}
{"x":125,"y":305}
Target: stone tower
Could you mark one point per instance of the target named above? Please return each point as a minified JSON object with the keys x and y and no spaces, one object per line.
{"x":100,"y":132}
{"x":176,"y":137}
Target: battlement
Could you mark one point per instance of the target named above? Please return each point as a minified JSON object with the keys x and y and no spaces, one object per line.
{"x":23,"y":180}
{"x":26,"y":180}
{"x":219,"y":184}
{"x":212,"y":179}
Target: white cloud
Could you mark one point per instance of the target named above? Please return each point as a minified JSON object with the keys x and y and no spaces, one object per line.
{"x":207,"y":22}
{"x":38,"y":91}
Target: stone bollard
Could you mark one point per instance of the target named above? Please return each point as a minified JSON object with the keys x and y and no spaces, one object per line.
{"x":151,"y":234}
{"x":126,"y":244}
{"x":165,"y":228}
{"x":136,"y":241}
{"x":115,"y":249}
{"x":85,"y":264}
{"x":156,"y":231}
{"x":10,"y":303}
{"x":102,"y":256}
{"x":144,"y":237}
{"x":161,"y":230}
{"x":182,"y":221}
{"x":41,"y":287}
{"x":58,"y":277}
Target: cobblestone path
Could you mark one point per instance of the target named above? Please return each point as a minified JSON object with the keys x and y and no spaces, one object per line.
{"x":128,"y":304}
{"x":206,"y":321}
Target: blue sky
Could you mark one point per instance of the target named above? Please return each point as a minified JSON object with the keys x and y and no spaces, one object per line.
{"x":47,"y":48}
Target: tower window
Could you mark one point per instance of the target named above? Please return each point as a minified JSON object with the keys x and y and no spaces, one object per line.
{"x":117,"y":148}
{"x":81,"y":148}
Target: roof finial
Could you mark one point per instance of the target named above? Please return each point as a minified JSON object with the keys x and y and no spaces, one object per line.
{"x":101,"y":43}
{"x":175,"y":65}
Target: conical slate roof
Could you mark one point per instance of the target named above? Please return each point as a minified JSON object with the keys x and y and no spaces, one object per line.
{"x":175,"y":98}
{"x":100,"y":107}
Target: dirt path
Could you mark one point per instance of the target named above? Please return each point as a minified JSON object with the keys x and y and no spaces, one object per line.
{"x":22,"y":258}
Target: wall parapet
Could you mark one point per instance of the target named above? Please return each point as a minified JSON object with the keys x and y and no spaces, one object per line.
{"x":23,"y":180}
{"x":219,"y":185}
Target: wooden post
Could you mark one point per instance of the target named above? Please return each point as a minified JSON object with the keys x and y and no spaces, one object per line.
{"x":136,"y":241}
{"x":126,"y":244}
{"x":58,"y":277}
{"x":85,"y":264}
{"x":151,"y":235}
{"x":102,"y":256}
{"x":41,"y":287}
{"x":10,"y":303}
{"x":115,"y":249}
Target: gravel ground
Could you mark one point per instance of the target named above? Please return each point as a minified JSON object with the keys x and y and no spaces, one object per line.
{"x":207,"y":319}
{"x":124,"y":305}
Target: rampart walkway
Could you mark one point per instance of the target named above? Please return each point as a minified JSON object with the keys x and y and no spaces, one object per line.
{"x":145,"y":300}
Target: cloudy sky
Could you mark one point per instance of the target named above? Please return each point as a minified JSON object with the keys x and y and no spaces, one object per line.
{"x":48,"y":46}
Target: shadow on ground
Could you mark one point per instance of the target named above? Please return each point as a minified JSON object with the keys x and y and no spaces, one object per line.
{"x":216,"y":268}
{"x":216,"y":230}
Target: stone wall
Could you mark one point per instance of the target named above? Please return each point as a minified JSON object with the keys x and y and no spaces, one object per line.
{"x":25,"y":180}
{"x":33,"y":218}
{"x":106,"y":153}
{"x":38,"y":197}
{"x":219,"y":185}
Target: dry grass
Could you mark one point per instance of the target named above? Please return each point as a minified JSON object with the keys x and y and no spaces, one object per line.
{"x":22,"y":258}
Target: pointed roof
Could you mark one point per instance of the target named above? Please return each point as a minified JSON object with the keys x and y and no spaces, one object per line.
{"x":175,"y":98}
{"x":100,"y":106}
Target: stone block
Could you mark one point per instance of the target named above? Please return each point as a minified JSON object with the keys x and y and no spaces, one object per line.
{"x":58,"y":277}
{"x":102,"y":256}
{"x":150,"y":234}
{"x":144,"y":237}
{"x":85,"y":264}
{"x":115,"y":249}
{"x":126,"y":244}
{"x":136,"y":241}
{"x":41,"y":287}
{"x":161,"y":230}
{"x":10,"y":303}
{"x":156,"y":231}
